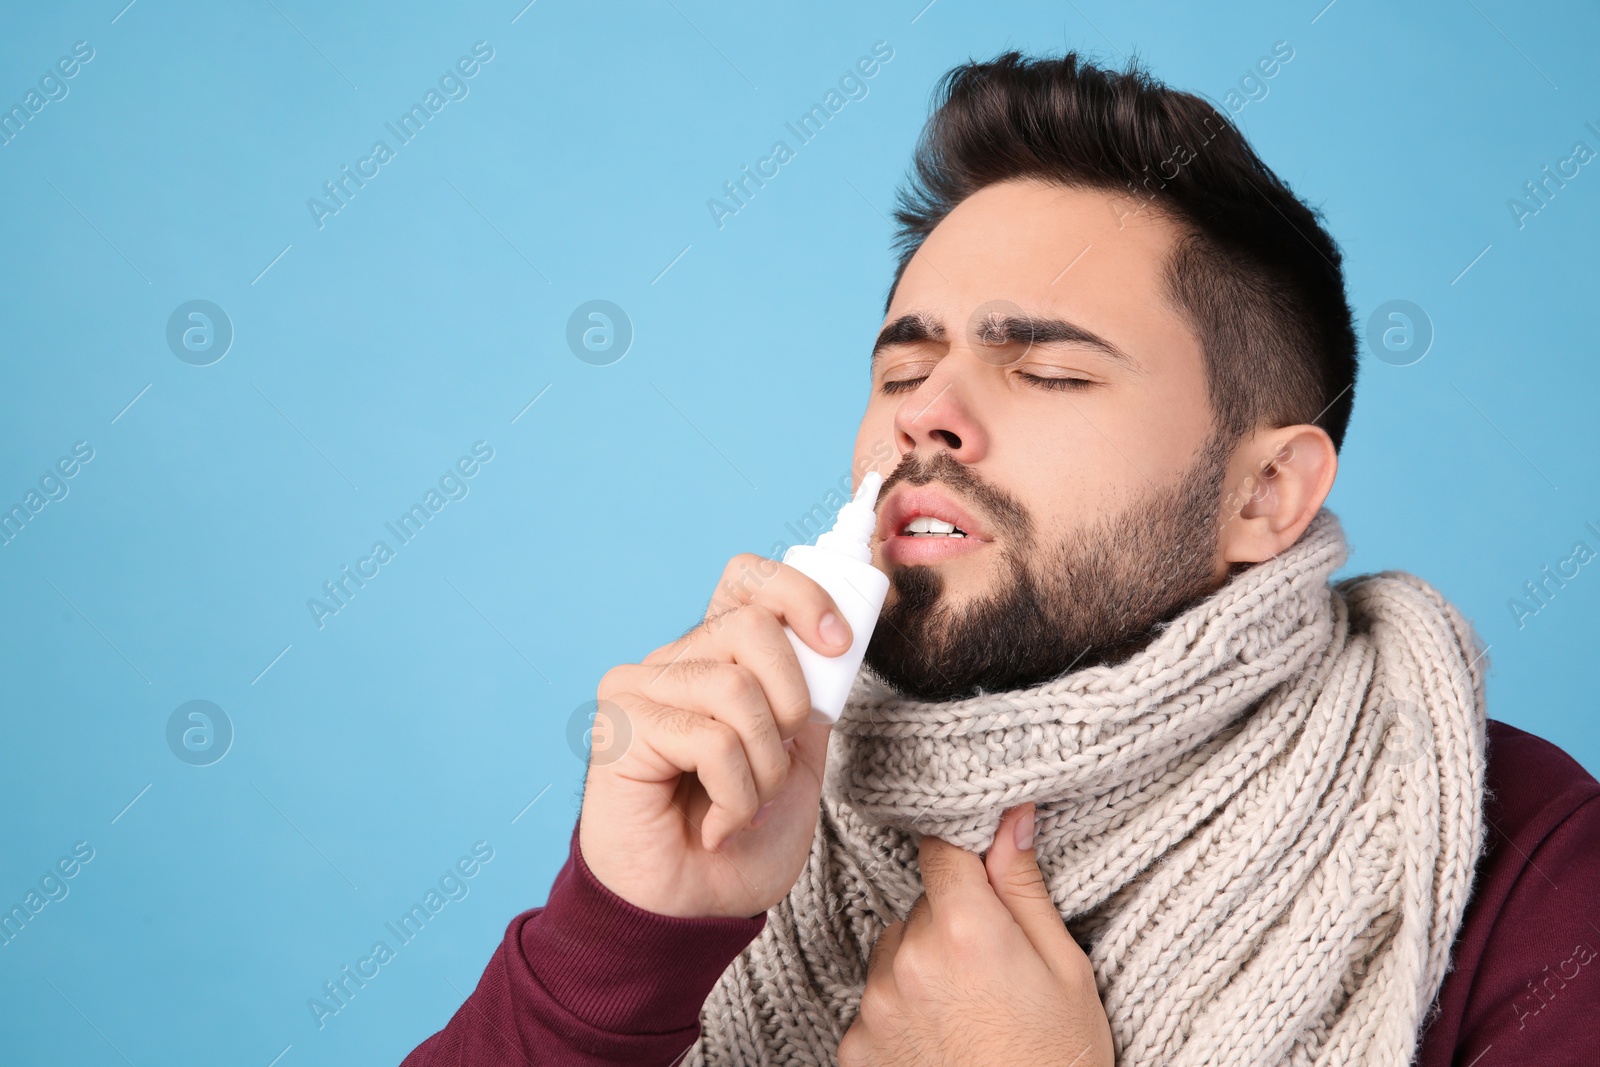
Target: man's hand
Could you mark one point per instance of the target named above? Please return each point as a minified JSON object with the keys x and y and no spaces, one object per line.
{"x":983,"y":971}
{"x":702,"y":798}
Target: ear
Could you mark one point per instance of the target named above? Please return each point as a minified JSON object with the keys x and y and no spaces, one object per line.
{"x":1276,"y":483}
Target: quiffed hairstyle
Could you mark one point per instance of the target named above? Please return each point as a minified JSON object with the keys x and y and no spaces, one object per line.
{"x":1254,"y":269}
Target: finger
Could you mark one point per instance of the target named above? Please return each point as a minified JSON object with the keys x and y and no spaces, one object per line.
{"x":1012,"y":867}
{"x":795,"y":598}
{"x":752,"y":636}
{"x":921,"y":913}
{"x":743,"y":576}
{"x":855,"y":1048}
{"x":711,"y":750}
{"x":877,"y":1012}
{"x":883,"y":950}
{"x":954,"y":881}
{"x":730,"y":693}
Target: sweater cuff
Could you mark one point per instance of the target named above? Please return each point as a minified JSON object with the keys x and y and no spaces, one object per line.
{"x":620,"y":968}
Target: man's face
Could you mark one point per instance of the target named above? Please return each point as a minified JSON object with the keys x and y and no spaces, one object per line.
{"x":1090,"y":504}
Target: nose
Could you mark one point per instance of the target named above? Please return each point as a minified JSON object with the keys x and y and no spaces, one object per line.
{"x":938,"y":413}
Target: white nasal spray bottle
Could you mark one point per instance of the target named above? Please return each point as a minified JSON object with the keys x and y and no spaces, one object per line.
{"x":841,"y":562}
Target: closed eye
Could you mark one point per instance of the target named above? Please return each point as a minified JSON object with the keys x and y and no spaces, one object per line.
{"x":1054,"y":383}
{"x":907,"y":384}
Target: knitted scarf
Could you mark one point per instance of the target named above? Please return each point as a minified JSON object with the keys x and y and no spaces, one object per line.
{"x":1262,"y":828}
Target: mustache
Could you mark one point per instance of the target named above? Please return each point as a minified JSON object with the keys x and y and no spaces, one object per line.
{"x":1005,"y":513}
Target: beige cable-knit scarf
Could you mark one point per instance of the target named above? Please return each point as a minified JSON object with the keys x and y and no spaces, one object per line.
{"x":1262,"y":827}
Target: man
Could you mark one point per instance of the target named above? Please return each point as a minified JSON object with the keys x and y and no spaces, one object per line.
{"x":1226,"y":812}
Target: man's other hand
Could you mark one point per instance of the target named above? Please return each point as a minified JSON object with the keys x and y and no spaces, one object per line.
{"x":983,"y":972}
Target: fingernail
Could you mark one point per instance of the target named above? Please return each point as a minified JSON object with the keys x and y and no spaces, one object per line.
{"x":789,"y":744}
{"x":761,"y":814}
{"x":833,"y":630}
{"x":1023,"y":831}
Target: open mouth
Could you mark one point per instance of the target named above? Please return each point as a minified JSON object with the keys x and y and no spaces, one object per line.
{"x":928,"y":526}
{"x":924,"y":525}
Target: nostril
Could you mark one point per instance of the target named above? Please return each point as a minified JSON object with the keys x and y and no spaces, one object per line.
{"x":950,"y":439}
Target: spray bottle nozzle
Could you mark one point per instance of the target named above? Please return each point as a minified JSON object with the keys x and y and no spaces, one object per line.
{"x":867,"y":491}
{"x":852,"y":530}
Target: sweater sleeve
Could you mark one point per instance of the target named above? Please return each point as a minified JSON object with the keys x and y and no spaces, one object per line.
{"x":588,"y":980}
{"x":1536,"y":991}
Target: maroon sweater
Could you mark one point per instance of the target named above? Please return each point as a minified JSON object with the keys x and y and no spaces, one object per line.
{"x":590,"y":979}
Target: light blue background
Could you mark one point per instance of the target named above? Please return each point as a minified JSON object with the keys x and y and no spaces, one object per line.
{"x":427,"y":313}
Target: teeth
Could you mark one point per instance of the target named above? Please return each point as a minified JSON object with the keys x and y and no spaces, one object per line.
{"x":928,"y":526}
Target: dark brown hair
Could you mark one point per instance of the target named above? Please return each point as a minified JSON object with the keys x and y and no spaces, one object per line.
{"x":1254,"y":270}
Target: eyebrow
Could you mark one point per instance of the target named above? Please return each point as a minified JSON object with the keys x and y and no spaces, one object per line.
{"x":908,"y":329}
{"x":919,"y":326}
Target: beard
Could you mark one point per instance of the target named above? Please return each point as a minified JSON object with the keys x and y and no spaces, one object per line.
{"x":1096,"y":596}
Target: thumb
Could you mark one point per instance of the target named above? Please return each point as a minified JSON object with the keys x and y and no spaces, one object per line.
{"x":1014,"y":874}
